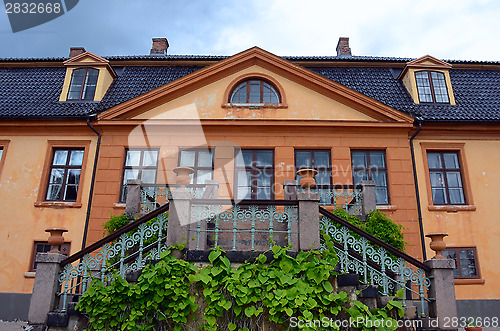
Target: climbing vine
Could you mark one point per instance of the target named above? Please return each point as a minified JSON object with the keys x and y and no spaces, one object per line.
{"x":172,"y":293}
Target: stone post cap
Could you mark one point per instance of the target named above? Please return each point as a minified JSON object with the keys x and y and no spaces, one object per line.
{"x":368,"y":183}
{"x":308,"y":196}
{"x":49,"y":258}
{"x":290,"y":183}
{"x":211,"y":182}
{"x":440,"y":264}
{"x":134,"y":182}
{"x":180,"y":195}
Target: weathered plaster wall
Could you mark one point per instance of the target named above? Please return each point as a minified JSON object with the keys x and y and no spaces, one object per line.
{"x":21,"y":223}
{"x":470,"y":228}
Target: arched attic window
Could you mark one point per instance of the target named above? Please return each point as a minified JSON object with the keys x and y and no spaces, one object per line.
{"x":254,"y":92}
{"x":83,"y":84}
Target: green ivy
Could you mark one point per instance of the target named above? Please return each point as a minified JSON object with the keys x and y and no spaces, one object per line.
{"x":114,"y":223}
{"x":229,"y":298}
{"x":379,"y":225}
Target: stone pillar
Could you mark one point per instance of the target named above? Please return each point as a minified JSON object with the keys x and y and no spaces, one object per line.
{"x":308,"y":220}
{"x":368,"y":196}
{"x":45,"y":287}
{"x":212,"y":186}
{"x":442,"y":290}
{"x":179,"y":217}
{"x":290,"y":188}
{"x":133,"y":202}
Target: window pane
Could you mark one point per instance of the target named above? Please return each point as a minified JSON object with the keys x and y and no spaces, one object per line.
{"x":359,"y":176}
{"x":381,"y":197}
{"x":150,"y":158}
{"x":377,"y":159}
{"x":254,"y":92}
{"x":203,"y":175}
{"x":73,"y":176}
{"x":439,"y":196}
{"x":204,"y":159}
{"x":456,"y":196}
{"x":423,"y":86}
{"x":133,"y":158}
{"x":187,"y":158}
{"x":323,"y":177}
{"x":264,"y":193}
{"x":321,"y":160}
{"x":56,"y":176}
{"x":243,"y":192}
{"x":380,"y":178}
{"x":53,"y":192}
{"x":244,"y":158}
{"x":76,"y":158}
{"x":434,"y":160}
{"x":71,"y":193}
{"x":240,"y":94}
{"x":1,"y":151}
{"x":130,"y":174}
{"x":451,"y":161}
{"x":60,"y":157}
{"x":303,"y":160}
{"x":244,"y":178}
{"x":148,"y":176}
{"x":264,"y":179}
{"x":359,"y":159}
{"x":264,"y":158}
{"x":454,"y":179}
{"x":437,"y":179}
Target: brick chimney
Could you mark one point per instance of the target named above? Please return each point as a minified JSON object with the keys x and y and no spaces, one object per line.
{"x":160,"y":46}
{"x":343,"y":48}
{"x":74,"y":51}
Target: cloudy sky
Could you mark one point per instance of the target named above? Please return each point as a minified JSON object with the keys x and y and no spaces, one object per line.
{"x":447,"y":29}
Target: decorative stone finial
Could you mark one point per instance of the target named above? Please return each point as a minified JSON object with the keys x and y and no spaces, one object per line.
{"x":307,"y":181}
{"x":183,"y":178}
{"x":437,"y":243}
{"x":56,"y":238}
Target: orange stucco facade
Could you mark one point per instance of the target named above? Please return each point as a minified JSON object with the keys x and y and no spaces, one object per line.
{"x":475,"y":223}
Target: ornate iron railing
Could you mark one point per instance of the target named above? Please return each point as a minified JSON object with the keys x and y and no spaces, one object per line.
{"x":124,"y":250}
{"x":249,"y":225}
{"x":347,"y":197}
{"x":376,"y":262}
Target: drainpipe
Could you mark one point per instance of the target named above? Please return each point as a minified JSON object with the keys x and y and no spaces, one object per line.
{"x":417,"y":191}
{"x":91,"y":193}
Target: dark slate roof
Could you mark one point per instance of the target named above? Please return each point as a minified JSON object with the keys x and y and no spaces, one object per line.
{"x":477,"y":92}
{"x":34,"y":92}
{"x":134,"y":81}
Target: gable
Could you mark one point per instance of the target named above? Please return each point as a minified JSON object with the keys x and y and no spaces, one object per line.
{"x":310,"y":96}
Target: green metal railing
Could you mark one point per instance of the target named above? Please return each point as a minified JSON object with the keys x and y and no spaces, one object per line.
{"x":127,"y":249}
{"x":252,"y":224}
{"x":347,"y":197}
{"x":155,"y":195}
{"x":376,"y":262}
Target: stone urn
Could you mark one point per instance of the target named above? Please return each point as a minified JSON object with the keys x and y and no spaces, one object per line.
{"x":307,"y":181}
{"x":183,"y":178}
{"x":437,"y":243}
{"x":56,"y":238}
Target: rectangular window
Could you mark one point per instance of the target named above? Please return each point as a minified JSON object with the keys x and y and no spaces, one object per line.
{"x":371,"y":165}
{"x":201,"y":161}
{"x":44,"y":247}
{"x":254,"y":174}
{"x":64,"y":175}
{"x":139,"y":164}
{"x":466,"y":265}
{"x":1,"y":152}
{"x":319,"y":160}
{"x":446,"y":178}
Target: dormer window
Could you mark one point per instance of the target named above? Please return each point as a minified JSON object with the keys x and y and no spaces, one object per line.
{"x":254,"y":91}
{"x":431,"y":87}
{"x":83,"y":84}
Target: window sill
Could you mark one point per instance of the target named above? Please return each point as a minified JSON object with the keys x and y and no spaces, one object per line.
{"x":386,"y":207}
{"x":30,"y":274}
{"x":120,"y":205}
{"x":255,"y":105}
{"x":452,"y":208}
{"x":472,"y":281}
{"x":58,"y":204}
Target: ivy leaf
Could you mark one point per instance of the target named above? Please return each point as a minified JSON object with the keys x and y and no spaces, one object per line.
{"x":214,"y":255}
{"x":328,"y":286}
{"x":232,"y":326}
{"x":249,"y":311}
{"x":262,"y":258}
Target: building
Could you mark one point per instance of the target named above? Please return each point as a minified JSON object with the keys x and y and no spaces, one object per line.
{"x":73,"y":130}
